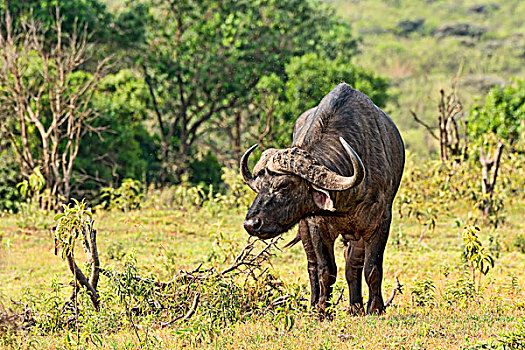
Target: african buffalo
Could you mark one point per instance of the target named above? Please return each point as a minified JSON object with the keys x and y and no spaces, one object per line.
{"x":339,"y":177}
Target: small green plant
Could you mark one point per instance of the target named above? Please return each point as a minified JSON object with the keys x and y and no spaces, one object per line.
{"x":474,"y":254}
{"x":115,"y":251}
{"x":423,"y":292}
{"x":31,"y":187}
{"x":461,"y":291}
{"x":128,"y":196}
{"x":76,"y":222}
{"x":32,"y":211}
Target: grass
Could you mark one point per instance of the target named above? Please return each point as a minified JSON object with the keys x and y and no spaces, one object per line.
{"x":165,"y":241}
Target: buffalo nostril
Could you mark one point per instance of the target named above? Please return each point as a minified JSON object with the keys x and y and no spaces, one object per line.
{"x":257,"y":224}
{"x":253,"y":225}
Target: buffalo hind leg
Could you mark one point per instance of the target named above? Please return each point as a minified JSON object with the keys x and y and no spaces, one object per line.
{"x":374,"y":250}
{"x":312,"y":262}
{"x":355,"y":256}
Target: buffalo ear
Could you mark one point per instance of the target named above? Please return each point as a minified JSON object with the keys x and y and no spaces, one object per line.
{"x":322,"y":198}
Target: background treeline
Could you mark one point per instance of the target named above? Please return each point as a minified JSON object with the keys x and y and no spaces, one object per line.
{"x":164,"y":92}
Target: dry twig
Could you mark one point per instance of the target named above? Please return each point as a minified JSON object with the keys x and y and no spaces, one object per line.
{"x":397,"y":288}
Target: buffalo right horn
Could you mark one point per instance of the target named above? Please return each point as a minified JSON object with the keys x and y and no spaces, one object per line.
{"x":301,"y":163}
{"x":246,"y":173}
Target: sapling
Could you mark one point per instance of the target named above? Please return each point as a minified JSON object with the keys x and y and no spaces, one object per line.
{"x":476,"y":256}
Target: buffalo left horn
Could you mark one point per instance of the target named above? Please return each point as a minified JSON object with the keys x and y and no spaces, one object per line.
{"x":246,"y":173}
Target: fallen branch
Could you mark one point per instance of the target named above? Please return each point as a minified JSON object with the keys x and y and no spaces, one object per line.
{"x":245,"y":258}
{"x":397,"y":288}
{"x":188,"y":314}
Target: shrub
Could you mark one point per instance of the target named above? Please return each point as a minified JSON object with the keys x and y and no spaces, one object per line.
{"x":127,"y":197}
{"x":503,"y":113}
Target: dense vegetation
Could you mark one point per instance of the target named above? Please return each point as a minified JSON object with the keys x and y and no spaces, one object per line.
{"x":143,"y":109}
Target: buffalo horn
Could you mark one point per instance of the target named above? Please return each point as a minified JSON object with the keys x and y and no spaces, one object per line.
{"x":301,"y":163}
{"x":246,"y":174}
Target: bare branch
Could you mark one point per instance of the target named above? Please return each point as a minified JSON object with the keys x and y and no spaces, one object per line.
{"x":419,"y":121}
{"x":80,"y":277}
{"x":188,"y":314}
{"x":397,"y":289}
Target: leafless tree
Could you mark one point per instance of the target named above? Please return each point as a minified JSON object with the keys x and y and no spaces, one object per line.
{"x":451,"y":128}
{"x":45,"y":97}
{"x":490,"y":163}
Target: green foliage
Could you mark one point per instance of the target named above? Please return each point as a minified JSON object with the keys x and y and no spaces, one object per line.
{"x":308,"y":79}
{"x":72,"y":223}
{"x":130,"y":25}
{"x":92,"y":13}
{"x":230,"y":45}
{"x":128,"y":196}
{"x":206,"y":171}
{"x":474,"y":253}
{"x":233,"y":195}
{"x":32,"y":212}
{"x":237,"y":194}
{"x":31,"y":187}
{"x":10,"y":198}
{"x":423,"y":292}
{"x":460,"y":292}
{"x":312,"y":76}
{"x":122,"y":146}
{"x":502,"y":113}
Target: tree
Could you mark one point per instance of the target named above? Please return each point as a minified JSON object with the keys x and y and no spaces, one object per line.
{"x":92,"y":13}
{"x":203,"y":58}
{"x":121,"y":147}
{"x":503,"y":113}
{"x":451,"y":127}
{"x":309,"y":78}
{"x":45,"y":98}
{"x":312,"y":76}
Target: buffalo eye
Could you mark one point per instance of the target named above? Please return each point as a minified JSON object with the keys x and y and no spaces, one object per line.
{"x":283,"y":186}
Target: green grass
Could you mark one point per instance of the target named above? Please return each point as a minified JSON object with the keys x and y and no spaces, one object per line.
{"x":165,"y":241}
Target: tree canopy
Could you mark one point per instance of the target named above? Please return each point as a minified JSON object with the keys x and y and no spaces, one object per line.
{"x":191,"y":84}
{"x":502,"y":112}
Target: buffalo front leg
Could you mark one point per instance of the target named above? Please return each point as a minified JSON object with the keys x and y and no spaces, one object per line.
{"x":323,"y":247}
{"x":312,"y":262}
{"x":374,"y":250}
{"x":355,"y":256}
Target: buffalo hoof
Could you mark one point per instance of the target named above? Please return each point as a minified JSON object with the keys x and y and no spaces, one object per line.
{"x":376,"y":307}
{"x":356,"y":310}
{"x":323,"y":314}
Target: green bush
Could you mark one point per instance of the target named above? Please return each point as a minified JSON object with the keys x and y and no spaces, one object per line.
{"x":127,"y":197}
{"x":206,"y":171}
{"x":503,"y":113}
